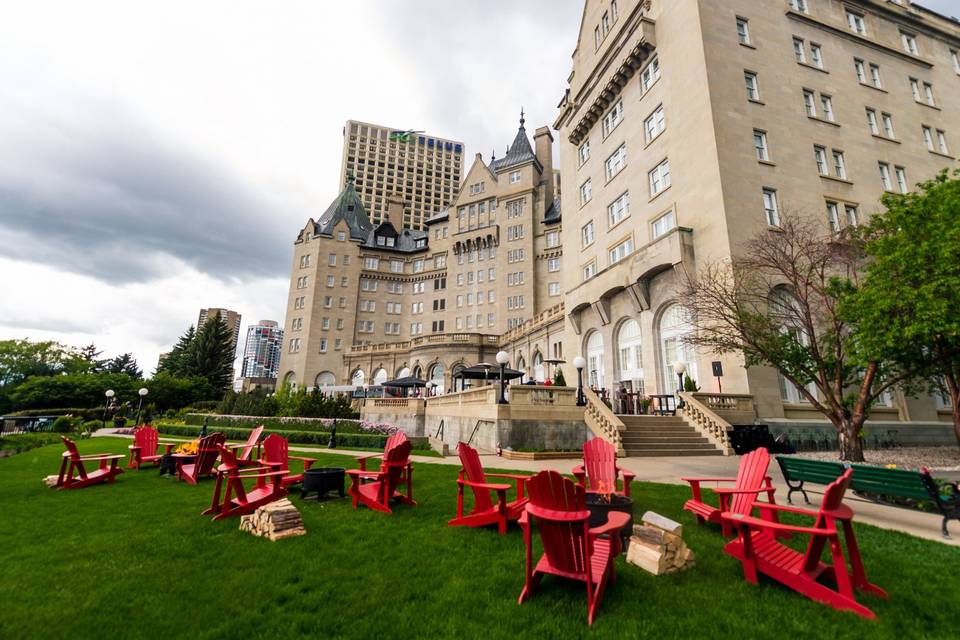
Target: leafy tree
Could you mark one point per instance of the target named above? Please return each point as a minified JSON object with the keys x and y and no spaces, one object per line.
{"x":71,"y":390}
{"x":213,"y":354}
{"x":89,"y":359}
{"x":125,"y":363}
{"x":778,"y":304}
{"x":170,"y":392}
{"x":20,"y":359}
{"x":558,"y":378}
{"x":908,"y":308}
{"x":179,"y":362}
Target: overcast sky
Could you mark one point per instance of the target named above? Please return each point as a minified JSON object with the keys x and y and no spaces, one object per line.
{"x":159,"y":157}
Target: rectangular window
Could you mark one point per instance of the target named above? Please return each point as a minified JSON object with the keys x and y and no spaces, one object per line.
{"x":650,"y":74}
{"x":616,"y":162}
{"x":827,"y":104}
{"x":909,"y":42}
{"x":799,"y":5}
{"x":586,"y":192}
{"x":743,"y":30}
{"x":332,"y":260}
{"x":331,"y":281}
{"x":620,"y":251}
{"x":820,"y":155}
{"x":752,"y":86}
{"x":583,"y":153}
{"x":323,"y":345}
{"x":852,"y":216}
{"x":618,"y":209}
{"x":955,"y":56}
{"x":760,"y":144}
{"x":305,"y":261}
{"x":417,"y":266}
{"x":770,"y":209}
{"x":596,"y":37}
{"x":928,"y":138}
{"x":901,"y":175}
{"x":396,"y":266}
{"x":553,"y":288}
{"x":872,"y":122}
{"x":860,"y":70}
{"x":664,"y":223}
{"x":928,"y":93}
{"x":590,"y":270}
{"x":654,"y":124}
{"x":833,"y":217}
{"x":816,"y":56}
{"x":553,"y":265}
{"x":514,"y":177}
{"x":799,"y":52}
{"x":810,"y":103}
{"x":942,"y":142}
{"x":371,"y":263}
{"x":885,"y":176}
{"x":915,"y":89}
{"x":586,"y":234}
{"x":659,"y":178}
{"x":875,"y":76}
{"x":613,"y":118}
{"x":839,"y":166}
{"x":856,"y":23}
{"x":553,"y":239}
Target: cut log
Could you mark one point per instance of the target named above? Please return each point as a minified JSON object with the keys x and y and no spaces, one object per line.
{"x":657,"y":546}
{"x":277,"y":520}
{"x":661,"y":522}
{"x":50,"y":481}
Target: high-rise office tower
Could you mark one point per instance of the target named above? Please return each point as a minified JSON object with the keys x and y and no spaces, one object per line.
{"x":261,"y":352}
{"x":231,"y":317}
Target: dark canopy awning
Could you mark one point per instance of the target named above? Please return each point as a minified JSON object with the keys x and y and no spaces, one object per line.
{"x":408,"y":382}
{"x":481,"y":373}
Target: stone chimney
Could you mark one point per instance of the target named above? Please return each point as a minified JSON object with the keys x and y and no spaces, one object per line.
{"x":394,"y":213}
{"x":543,"y":144}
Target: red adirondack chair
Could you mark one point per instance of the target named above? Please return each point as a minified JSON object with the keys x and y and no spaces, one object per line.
{"x":236,"y":499}
{"x":146,"y":447}
{"x":375,"y":489}
{"x":484,"y":510}
{"x":243,"y":451}
{"x":600,"y":469}
{"x":571,"y":549}
{"x":757,"y":548}
{"x":276,"y":456}
{"x":72,"y":462}
{"x":406,"y":478}
{"x":202,"y":464}
{"x":751,"y":481}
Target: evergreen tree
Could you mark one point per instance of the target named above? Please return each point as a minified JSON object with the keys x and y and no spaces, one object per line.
{"x":179,"y":362}
{"x":125,"y":363}
{"x":213,"y":354}
{"x":89,"y":359}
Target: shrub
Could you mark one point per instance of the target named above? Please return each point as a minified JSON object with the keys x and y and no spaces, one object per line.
{"x":320,"y":438}
{"x":86,"y":414}
{"x":690,"y":385}
{"x":65,"y":424}
{"x":558,"y":378}
{"x":26,"y":441}
{"x":92,"y":425}
{"x":344,"y":425}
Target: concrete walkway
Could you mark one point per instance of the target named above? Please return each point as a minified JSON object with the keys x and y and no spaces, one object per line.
{"x":670,"y":470}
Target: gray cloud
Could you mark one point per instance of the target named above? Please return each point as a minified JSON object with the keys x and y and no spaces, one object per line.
{"x":102,"y":194}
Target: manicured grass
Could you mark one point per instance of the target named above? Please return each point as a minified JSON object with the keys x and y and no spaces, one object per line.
{"x":136,"y":559}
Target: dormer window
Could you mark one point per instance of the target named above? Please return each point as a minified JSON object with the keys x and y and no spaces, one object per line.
{"x":421,"y":242}
{"x":514,"y":177}
{"x":349,"y":207}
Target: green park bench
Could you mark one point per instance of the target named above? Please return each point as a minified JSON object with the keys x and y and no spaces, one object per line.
{"x":880,"y":481}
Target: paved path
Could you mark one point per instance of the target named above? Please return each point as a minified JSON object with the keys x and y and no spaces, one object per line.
{"x":670,"y":470}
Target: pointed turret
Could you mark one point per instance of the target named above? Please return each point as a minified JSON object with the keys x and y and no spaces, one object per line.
{"x":349,"y":208}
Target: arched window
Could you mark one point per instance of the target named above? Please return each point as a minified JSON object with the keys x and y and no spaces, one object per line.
{"x":325,"y":379}
{"x":454,"y":372}
{"x":358,"y":378}
{"x":404,"y":372}
{"x":674,"y":325}
{"x":595,"y":360}
{"x":436,"y":377}
{"x":538,"y":372}
{"x":290,"y":380}
{"x":380,"y":376}
{"x":418,"y":372}
{"x":521,"y":367}
{"x":629,"y":359}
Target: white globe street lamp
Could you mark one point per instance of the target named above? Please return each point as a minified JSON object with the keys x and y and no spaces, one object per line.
{"x":679,"y":368}
{"x":579,"y":363}
{"x":142,"y":393}
{"x":502,"y":359}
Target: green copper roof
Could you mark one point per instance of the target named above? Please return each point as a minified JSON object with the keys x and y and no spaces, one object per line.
{"x":346,"y":207}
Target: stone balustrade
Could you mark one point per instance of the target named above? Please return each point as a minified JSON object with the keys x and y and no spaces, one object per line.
{"x":734,"y":408}
{"x":602,"y":421}
{"x":705,"y":420}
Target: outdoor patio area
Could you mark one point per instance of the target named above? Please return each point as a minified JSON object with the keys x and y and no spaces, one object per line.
{"x":138,"y":555}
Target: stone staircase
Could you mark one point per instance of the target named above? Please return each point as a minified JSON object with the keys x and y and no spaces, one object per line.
{"x":654,"y":436}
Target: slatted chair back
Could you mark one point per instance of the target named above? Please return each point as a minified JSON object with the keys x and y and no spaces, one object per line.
{"x":600,"y":464}
{"x":72,"y":449}
{"x":207,"y":452}
{"x":901,"y":482}
{"x":251,"y":443}
{"x":473,"y":470}
{"x":393,"y":465}
{"x":146,"y":438}
{"x":832,"y":500}
{"x":753,"y":470}
{"x":394,"y":441}
{"x":276,"y":450}
{"x":565,"y":542}
{"x":229,"y":461}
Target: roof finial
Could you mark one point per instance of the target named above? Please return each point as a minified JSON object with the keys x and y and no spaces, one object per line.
{"x":521,"y":118}
{"x":493,"y":155}
{"x":350,"y":177}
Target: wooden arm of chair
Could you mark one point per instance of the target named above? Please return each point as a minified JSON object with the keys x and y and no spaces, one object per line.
{"x":520,"y":480}
{"x":307,"y":462}
{"x":750,"y":521}
{"x":616,"y":520}
{"x":692,"y":480}
{"x":267,"y":474}
{"x":484,"y":485}
{"x":100,"y":456}
{"x":362,"y":460}
{"x":364,"y":474}
{"x":783,"y":507}
{"x":721,"y":491}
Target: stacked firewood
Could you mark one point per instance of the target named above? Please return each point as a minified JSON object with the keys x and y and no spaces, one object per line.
{"x":50,"y":481}
{"x":657,"y":546}
{"x":279,"y":519}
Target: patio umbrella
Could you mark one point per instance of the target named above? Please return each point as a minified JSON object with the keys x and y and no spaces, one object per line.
{"x":408,"y":382}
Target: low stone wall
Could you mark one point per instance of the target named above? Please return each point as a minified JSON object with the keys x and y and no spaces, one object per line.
{"x":406,"y":414}
{"x":908,"y":434}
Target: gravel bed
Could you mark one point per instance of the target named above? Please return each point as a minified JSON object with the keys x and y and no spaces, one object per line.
{"x":934,"y":458}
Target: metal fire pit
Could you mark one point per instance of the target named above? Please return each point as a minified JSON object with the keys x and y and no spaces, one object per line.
{"x":600,"y":509}
{"x":322,"y":480}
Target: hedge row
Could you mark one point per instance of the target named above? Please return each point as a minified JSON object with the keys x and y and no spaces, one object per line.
{"x":25,"y":441}
{"x":346,"y":440}
{"x":87,"y":414}
{"x":344,"y":425}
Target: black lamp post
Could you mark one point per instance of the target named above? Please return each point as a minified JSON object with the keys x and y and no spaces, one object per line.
{"x":679,"y":368}
{"x":580,"y":363}
{"x":502,"y":358}
{"x":332,"y":442}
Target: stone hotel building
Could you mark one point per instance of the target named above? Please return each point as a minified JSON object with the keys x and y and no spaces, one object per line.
{"x":689,"y":125}
{"x":372,"y":301}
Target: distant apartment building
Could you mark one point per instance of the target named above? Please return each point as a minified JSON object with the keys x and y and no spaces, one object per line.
{"x":261,"y":352}
{"x":370,"y":301}
{"x":232,"y":319}
{"x":420,"y":169}
{"x":691,"y":125}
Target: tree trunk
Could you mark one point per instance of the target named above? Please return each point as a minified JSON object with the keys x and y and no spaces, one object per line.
{"x":953,"y":390}
{"x":851,"y":448}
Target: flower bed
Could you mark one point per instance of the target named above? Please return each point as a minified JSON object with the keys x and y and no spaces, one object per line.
{"x":344,"y":425}
{"x":345,"y":440}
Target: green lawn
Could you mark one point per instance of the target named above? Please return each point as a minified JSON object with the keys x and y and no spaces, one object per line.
{"x":136,"y":559}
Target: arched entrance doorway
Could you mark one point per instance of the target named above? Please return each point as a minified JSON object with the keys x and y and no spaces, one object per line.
{"x":629,"y":360}
{"x":674,"y":325}
{"x":436,"y":377}
{"x":595,"y":360}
